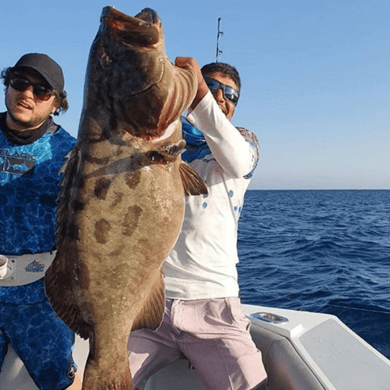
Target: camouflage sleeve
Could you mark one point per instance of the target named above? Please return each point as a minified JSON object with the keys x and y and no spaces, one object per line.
{"x":254,"y":143}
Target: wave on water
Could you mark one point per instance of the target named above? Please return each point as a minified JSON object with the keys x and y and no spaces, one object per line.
{"x":320,"y":251}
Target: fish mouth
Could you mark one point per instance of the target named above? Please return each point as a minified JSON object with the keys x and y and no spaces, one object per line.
{"x":148,"y":15}
{"x":144,"y":29}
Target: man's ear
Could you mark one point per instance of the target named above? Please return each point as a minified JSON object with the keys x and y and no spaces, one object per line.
{"x":56,"y":105}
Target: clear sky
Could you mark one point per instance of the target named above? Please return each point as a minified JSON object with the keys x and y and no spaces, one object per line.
{"x":315,"y":75}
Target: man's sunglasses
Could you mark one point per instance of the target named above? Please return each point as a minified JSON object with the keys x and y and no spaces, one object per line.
{"x":229,"y":92}
{"x":40,"y":91}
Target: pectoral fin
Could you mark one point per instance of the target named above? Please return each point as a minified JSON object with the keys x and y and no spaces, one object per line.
{"x":193,"y":184}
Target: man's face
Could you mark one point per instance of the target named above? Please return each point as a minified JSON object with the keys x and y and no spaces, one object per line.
{"x":227,"y":107}
{"x":26,"y":111}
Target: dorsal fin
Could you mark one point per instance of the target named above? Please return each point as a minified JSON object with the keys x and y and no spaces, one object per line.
{"x":193,"y":184}
{"x":69,"y":169}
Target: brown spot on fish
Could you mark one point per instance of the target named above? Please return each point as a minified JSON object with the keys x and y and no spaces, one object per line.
{"x":77,"y":205}
{"x":102,"y":229}
{"x":132,"y":217}
{"x":101,"y":188}
{"x":117,"y":199}
{"x":133,"y":179}
{"x":117,"y":251}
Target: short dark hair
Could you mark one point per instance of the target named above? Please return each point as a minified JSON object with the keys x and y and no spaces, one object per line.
{"x":61,"y":96}
{"x":226,"y":69}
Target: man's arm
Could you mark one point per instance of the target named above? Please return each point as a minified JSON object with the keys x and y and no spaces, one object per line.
{"x":236,"y":154}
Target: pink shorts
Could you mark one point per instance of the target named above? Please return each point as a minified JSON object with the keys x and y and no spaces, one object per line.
{"x":212,"y":334}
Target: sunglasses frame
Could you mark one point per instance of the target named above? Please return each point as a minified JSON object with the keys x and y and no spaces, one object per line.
{"x":223,"y":87}
{"x":39,"y":90}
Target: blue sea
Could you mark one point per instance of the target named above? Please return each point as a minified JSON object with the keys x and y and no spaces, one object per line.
{"x":322,"y":251}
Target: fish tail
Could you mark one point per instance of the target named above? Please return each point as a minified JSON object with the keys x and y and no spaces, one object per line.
{"x":95,"y":378}
{"x":107,"y":367}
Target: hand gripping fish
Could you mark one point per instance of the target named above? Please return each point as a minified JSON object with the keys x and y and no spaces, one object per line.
{"x":121,"y":204}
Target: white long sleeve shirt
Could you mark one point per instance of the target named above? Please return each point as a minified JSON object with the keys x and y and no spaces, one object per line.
{"x":203,"y":263}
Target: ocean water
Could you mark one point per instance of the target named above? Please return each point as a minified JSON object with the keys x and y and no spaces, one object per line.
{"x":321,"y":251}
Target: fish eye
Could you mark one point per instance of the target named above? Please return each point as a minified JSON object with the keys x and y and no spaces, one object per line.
{"x":105,"y":61}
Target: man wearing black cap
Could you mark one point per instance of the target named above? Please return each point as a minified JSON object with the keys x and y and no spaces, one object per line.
{"x":32,"y":150}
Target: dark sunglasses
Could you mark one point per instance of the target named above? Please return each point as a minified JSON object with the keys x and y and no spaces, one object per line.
{"x":21,"y":84}
{"x":229,"y":92}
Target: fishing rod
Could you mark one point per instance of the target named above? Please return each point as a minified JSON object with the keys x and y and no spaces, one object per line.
{"x":219,"y":35}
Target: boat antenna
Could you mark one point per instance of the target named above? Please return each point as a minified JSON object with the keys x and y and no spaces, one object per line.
{"x":219,"y":35}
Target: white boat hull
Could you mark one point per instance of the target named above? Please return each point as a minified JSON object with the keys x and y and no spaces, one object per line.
{"x":310,"y":351}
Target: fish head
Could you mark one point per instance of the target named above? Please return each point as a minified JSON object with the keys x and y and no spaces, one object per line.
{"x":144,"y":30}
{"x":127,"y":57}
{"x":131,"y":86}
{"x":131,"y":49}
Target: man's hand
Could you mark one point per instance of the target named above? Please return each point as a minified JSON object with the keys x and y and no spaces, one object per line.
{"x":189,"y":62}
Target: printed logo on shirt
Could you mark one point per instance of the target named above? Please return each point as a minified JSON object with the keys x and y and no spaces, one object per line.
{"x":16,"y":163}
{"x":35,"y":266}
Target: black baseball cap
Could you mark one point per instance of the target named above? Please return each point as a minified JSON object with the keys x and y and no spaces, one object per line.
{"x":45,"y":66}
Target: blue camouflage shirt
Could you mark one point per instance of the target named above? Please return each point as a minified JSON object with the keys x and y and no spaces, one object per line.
{"x":29,"y":186}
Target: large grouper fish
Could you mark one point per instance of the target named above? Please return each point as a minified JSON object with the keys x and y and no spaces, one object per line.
{"x":121,"y":203}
